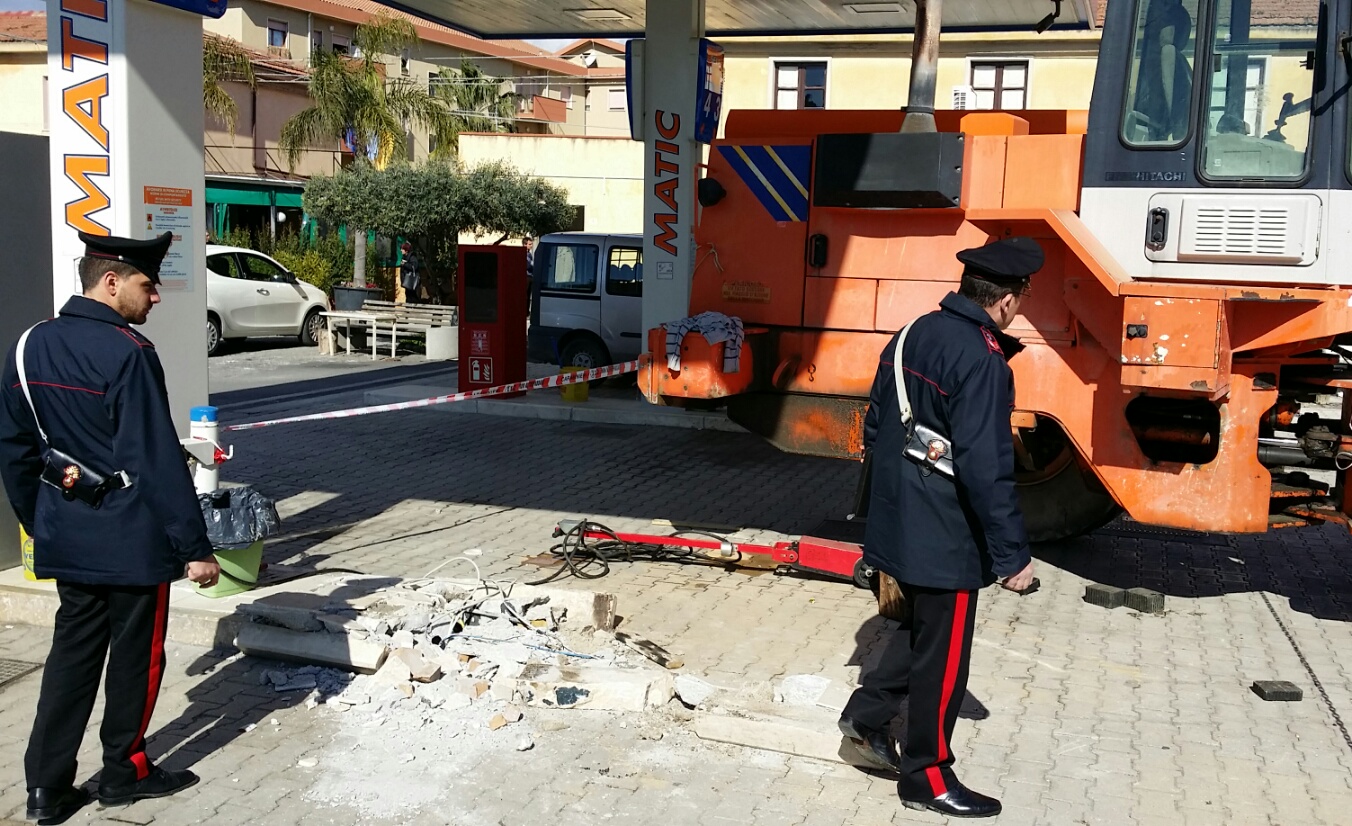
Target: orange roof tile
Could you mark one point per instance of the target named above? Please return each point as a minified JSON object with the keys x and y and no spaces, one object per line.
{"x":602,"y":42}
{"x":359,"y":11}
{"x":23,"y":26}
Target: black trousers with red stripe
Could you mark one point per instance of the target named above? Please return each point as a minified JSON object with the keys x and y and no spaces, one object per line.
{"x":127,"y":625}
{"x":927,"y":662}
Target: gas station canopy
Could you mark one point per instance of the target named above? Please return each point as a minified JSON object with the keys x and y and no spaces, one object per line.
{"x":494,"y":19}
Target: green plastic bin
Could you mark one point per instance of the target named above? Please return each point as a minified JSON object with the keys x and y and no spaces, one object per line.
{"x":239,"y":571}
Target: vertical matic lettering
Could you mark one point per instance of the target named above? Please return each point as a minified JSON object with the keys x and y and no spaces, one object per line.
{"x":79,"y":168}
{"x":667,"y":162}
{"x":82,"y":135}
{"x":83,"y":103}
{"x":73,"y":46}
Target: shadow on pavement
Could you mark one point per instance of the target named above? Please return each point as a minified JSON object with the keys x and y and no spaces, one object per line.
{"x":234,"y":699}
{"x":1310,"y":567}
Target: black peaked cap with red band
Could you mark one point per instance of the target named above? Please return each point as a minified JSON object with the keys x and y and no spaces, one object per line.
{"x":144,"y":255}
{"x":1007,"y":262}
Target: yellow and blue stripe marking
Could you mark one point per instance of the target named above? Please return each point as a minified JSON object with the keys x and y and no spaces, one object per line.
{"x":777,"y":175}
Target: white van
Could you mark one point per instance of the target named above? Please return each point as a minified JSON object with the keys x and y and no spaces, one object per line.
{"x":587,"y":302}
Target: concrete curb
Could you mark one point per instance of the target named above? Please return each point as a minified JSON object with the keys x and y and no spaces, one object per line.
{"x":214,"y":623}
{"x":600,"y":411}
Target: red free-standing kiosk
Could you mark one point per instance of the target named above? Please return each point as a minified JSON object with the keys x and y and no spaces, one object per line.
{"x":492,"y":290}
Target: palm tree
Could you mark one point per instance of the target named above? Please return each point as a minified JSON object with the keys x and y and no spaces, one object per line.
{"x":477,"y":103}
{"x":224,"y":61}
{"x":354,"y":103}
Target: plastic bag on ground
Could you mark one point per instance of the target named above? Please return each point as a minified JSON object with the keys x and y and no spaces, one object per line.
{"x":238,"y":517}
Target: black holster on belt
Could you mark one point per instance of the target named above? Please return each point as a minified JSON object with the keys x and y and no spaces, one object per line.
{"x":77,"y":480}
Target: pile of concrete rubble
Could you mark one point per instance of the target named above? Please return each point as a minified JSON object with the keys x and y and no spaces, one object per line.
{"x":453,"y":645}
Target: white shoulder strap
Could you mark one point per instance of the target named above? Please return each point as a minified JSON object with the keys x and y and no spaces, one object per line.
{"x":903,"y":399}
{"x":23,"y":379}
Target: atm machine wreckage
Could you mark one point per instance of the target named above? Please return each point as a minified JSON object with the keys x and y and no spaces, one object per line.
{"x":1197,"y":226}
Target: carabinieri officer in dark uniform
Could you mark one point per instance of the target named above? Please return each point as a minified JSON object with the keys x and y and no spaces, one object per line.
{"x":944,"y":538}
{"x":93,"y":468}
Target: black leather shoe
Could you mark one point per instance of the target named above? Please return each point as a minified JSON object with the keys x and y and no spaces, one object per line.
{"x":877,"y":748}
{"x":958,"y":801}
{"x":51,"y":806}
{"x":159,"y":783}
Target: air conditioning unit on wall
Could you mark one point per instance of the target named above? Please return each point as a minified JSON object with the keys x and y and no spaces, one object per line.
{"x":964,"y":97}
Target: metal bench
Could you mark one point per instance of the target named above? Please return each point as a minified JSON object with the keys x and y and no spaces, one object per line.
{"x":437,"y":325}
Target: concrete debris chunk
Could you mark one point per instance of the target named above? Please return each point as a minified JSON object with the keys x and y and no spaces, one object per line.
{"x":405,"y":689}
{"x":300,"y":682}
{"x":394,"y":671}
{"x":474,"y":689}
{"x":692,"y":690}
{"x":496,"y":722}
{"x":525,"y":743}
{"x":420,"y":669}
{"x":402,"y":638}
{"x":801,"y":689}
{"x":337,"y":650}
{"x":596,"y":687}
{"x":651,"y":650}
{"x":415,"y":622}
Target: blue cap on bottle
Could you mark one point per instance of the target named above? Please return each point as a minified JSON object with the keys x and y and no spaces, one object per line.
{"x":205,"y":413}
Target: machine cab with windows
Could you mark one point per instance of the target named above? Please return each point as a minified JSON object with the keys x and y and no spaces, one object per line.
{"x":1218,"y":151}
{"x":587,"y":306}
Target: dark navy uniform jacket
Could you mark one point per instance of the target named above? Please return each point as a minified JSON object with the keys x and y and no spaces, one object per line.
{"x":99,"y":391}
{"x":927,"y":530}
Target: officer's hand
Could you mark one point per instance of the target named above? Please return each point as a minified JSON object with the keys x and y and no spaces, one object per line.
{"x":204,"y":572}
{"x":1019,"y":581}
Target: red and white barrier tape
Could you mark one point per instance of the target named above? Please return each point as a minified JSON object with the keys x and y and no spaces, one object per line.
{"x":500,"y":390}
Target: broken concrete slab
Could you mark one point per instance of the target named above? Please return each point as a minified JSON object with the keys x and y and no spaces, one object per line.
{"x":296,"y":611}
{"x":801,"y":689}
{"x":783,"y":736}
{"x":651,"y":650}
{"x":692,"y":690}
{"x":595,"y":687}
{"x":338,"y":650}
{"x":835,"y":696}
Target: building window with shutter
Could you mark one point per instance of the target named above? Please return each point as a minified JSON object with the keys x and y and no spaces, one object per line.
{"x":341,"y":45}
{"x":800,"y":85}
{"x":566,"y":95}
{"x":276,"y":35}
{"x":999,"y":84}
{"x":617,"y":98}
{"x":403,"y":62}
{"x":433,"y":78}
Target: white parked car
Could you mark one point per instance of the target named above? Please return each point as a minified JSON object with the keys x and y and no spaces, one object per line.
{"x":250,"y":294}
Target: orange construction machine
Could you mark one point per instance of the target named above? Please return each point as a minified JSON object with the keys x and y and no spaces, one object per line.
{"x":1197,"y":223}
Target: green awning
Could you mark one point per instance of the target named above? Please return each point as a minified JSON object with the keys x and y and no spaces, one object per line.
{"x":239,"y":197}
{"x":289,"y":199}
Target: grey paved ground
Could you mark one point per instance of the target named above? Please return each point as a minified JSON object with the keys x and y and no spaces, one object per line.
{"x":1104,"y":717}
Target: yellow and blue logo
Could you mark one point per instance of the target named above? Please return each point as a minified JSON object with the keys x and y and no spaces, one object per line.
{"x":777,"y":175}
